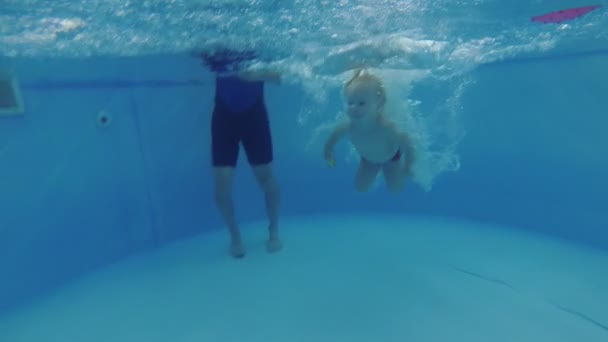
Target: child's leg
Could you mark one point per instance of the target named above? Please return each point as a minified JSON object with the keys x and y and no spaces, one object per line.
{"x":394,"y":176}
{"x":366,"y":174}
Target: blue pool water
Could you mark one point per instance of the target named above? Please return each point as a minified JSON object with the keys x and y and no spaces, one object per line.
{"x":506,"y":214}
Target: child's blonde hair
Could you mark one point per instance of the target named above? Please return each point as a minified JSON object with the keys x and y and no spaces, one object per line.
{"x":362,"y":75}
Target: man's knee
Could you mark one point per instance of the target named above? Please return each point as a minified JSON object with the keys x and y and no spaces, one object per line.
{"x":223,"y":183}
{"x":221,"y":192}
{"x":266,"y":179}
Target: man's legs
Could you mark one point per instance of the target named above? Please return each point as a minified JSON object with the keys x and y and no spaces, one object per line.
{"x":223,"y":178}
{"x":263,"y":174}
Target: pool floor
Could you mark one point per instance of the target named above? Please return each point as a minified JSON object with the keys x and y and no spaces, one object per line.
{"x":338,"y":278}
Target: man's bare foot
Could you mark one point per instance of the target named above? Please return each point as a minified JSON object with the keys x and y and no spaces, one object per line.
{"x":237,"y":250}
{"x":273,"y":245}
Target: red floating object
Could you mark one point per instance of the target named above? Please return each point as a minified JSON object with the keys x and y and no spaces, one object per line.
{"x":564,"y":15}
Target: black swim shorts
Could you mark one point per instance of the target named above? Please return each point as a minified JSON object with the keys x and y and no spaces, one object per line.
{"x":249,"y":128}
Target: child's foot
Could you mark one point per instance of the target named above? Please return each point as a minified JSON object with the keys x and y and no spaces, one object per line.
{"x":273,"y":245}
{"x":237,"y":250}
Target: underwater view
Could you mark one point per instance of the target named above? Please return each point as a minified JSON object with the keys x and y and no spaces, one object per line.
{"x":303,"y":170}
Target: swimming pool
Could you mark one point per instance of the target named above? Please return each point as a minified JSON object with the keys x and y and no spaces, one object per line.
{"x":108,"y":226}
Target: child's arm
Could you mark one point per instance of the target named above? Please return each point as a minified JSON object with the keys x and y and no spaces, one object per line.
{"x":261,"y":75}
{"x":338,"y":133}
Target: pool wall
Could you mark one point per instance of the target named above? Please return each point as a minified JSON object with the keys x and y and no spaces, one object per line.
{"x":111,"y":157}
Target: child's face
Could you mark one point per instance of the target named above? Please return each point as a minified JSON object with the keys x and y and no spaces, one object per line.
{"x":362,"y":100}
